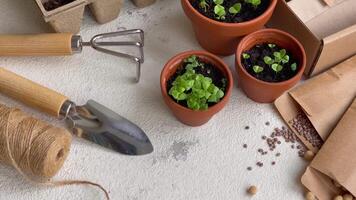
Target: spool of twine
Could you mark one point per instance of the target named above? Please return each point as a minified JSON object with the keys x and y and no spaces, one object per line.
{"x":35,"y":148}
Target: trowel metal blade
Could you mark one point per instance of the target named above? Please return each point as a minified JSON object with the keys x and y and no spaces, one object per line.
{"x":113,"y":131}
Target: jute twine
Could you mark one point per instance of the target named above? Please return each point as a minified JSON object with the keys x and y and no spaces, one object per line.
{"x":34,"y":148}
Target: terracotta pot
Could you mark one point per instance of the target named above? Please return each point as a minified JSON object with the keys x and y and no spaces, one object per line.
{"x":261,"y":91}
{"x":184,"y":114}
{"x":222,"y":38}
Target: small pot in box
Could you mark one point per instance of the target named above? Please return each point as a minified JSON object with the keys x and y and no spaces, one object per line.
{"x":105,"y":11}
{"x":196,"y":85}
{"x":219,"y":26}
{"x":268,"y":63}
{"x":65,"y":16}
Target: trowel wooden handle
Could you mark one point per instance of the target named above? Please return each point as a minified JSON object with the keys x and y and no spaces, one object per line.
{"x":53,"y":44}
{"x":31,"y":93}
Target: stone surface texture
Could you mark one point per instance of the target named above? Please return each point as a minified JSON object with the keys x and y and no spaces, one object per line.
{"x":207,"y":162}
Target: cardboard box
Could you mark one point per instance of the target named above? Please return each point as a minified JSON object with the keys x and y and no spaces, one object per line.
{"x":65,"y":19}
{"x":68,"y":18}
{"x":326,"y":28}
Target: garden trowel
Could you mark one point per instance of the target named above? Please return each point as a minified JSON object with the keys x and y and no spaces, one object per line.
{"x":91,"y":121}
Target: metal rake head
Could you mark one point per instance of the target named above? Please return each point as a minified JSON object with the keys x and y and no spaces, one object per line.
{"x":100,"y":46}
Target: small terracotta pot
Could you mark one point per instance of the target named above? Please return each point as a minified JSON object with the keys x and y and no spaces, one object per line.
{"x":184,"y":114}
{"x":222,"y":38}
{"x":261,"y":91}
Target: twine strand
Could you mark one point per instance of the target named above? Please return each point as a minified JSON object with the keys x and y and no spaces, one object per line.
{"x":29,"y":142}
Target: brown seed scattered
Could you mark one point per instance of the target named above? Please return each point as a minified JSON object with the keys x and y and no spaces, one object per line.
{"x":264,"y":137}
{"x":267,"y":123}
{"x":338,"y":197}
{"x":244,"y":146}
{"x":309,"y":196}
{"x":348,"y":197}
{"x":273,"y":163}
{"x":249,"y":168}
{"x":305,"y":129}
{"x":247,"y":127}
{"x":259,"y":164}
{"x":278,"y":154}
{"x":309,"y":155}
{"x":252,"y":190}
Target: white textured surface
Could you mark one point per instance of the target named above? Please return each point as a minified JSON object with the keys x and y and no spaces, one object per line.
{"x":188,"y":163}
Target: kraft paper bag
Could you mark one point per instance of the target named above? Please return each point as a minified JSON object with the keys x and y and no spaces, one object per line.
{"x":323,"y":99}
{"x":336,"y":161}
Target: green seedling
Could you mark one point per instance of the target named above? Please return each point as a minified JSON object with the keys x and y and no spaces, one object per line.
{"x":203,"y":4}
{"x":254,"y":3}
{"x":293,"y":66}
{"x":268,"y":60}
{"x":246,"y":56}
{"x":220,"y":12}
{"x":281,"y":56}
{"x":276,"y":67}
{"x":235,"y":9}
{"x":219,"y":9}
{"x":271,"y":46}
{"x":195,"y":89}
{"x":257,"y":69}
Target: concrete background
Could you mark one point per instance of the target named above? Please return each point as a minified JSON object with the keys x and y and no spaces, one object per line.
{"x":208,"y":162}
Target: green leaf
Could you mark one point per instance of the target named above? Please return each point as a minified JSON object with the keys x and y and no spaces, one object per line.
{"x":257,"y":69}
{"x":236,"y":8}
{"x":268,"y":60}
{"x":220,"y":11}
{"x":191,"y":59}
{"x":218,"y":2}
{"x":206,"y":83}
{"x":277,"y":57}
{"x":193,"y":103}
{"x":190,"y":66}
{"x":285,"y":59}
{"x":254,"y":3}
{"x":203,"y":4}
{"x":204,"y":106}
{"x":220,"y":94}
{"x":195,"y":89}
{"x":294,"y":66}
{"x":271,"y":45}
{"x":246,"y":56}
{"x":283,"y":52}
{"x":277,"y":67}
{"x":182,"y":97}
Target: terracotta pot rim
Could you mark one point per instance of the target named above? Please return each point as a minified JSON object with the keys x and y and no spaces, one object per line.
{"x":278,"y":32}
{"x":210,"y":56}
{"x":273,"y":3}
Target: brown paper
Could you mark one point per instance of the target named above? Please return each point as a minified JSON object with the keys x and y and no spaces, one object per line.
{"x":324,"y":99}
{"x":335,"y":161}
{"x":332,"y":2}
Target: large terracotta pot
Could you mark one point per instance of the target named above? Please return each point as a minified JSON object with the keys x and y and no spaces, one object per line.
{"x":222,"y":38}
{"x":184,"y":114}
{"x":261,"y":91}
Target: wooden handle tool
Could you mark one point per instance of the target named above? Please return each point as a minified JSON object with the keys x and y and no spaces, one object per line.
{"x":30,"y":93}
{"x":53,"y":44}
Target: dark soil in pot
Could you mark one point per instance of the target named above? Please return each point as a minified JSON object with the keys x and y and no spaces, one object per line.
{"x":247,"y":12}
{"x":53,"y":4}
{"x":207,"y":70}
{"x":270,"y":63}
